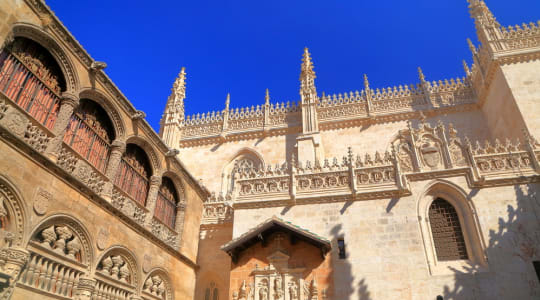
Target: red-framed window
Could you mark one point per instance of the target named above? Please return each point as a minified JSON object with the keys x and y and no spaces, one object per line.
{"x":31,"y":78}
{"x":166,"y":202}
{"x":90,"y":133}
{"x":134,"y":173}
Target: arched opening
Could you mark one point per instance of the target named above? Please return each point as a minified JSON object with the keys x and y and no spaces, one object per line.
{"x":166,"y":203}
{"x":31,"y":77}
{"x":134,"y":173}
{"x":90,"y":133}
{"x":446,"y":231}
{"x":244,"y":162}
{"x":450,"y":231}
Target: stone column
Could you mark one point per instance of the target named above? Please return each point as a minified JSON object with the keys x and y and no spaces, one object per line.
{"x":155,"y":183}
{"x":85,"y":288}
{"x":67,"y":105}
{"x":117,"y":150}
{"x":14,"y":259}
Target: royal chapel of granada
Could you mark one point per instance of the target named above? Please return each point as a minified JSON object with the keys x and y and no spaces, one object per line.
{"x":424,"y":190}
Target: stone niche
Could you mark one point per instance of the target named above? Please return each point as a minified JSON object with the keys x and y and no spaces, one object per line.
{"x":272,"y":262}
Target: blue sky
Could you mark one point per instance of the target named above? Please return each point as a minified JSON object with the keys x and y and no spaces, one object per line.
{"x":243,"y":47}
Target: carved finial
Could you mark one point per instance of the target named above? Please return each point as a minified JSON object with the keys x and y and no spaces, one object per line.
{"x":307,"y":75}
{"x":350,"y":155}
{"x":366,"y":83}
{"x":472,"y":47}
{"x":267,"y":98}
{"x":466,"y":68}
{"x":228,"y":101}
{"x":421,"y":75}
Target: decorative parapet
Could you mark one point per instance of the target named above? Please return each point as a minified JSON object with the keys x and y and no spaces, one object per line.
{"x":418,"y":153}
{"x":332,"y":110}
{"x":217,"y":210}
{"x":520,"y":37}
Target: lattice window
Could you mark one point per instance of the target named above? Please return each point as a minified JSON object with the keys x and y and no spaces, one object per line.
{"x":446,"y":230}
{"x":134,"y":173}
{"x":90,"y":133}
{"x":31,"y":78}
{"x":166,"y":203}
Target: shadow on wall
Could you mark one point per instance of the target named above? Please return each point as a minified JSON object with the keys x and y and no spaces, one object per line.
{"x":511,"y":251}
{"x":344,"y":286}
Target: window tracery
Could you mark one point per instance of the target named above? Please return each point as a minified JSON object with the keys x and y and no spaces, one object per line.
{"x":31,"y":78}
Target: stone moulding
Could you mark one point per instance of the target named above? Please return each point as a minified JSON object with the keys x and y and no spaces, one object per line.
{"x":420,"y":153}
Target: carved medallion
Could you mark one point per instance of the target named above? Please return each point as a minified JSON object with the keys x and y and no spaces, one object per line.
{"x":147,"y":263}
{"x":15,"y":122}
{"x":430,"y":154}
{"x":102,"y":238}
{"x":41,"y":201}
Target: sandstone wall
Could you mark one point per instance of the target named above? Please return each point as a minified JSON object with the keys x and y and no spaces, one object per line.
{"x":386,"y":250}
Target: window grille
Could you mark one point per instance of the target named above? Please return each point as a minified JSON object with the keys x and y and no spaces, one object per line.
{"x":166,"y":203}
{"x":446,"y":231}
{"x":133,"y":174}
{"x":90,"y":133}
{"x":31,"y":78}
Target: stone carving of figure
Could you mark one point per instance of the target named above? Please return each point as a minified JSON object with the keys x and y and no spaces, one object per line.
{"x":251,"y":294}
{"x":278,"y":288}
{"x":263,"y":291}
{"x":293,"y":291}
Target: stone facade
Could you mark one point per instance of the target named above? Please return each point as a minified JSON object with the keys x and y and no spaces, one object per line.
{"x":363,"y":169}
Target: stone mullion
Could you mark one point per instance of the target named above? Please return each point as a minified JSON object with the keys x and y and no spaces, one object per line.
{"x":179,"y":221}
{"x":117,"y":150}
{"x":67,"y":105}
{"x":155,"y":183}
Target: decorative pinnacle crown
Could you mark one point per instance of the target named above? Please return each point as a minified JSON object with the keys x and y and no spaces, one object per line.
{"x":307,"y":64}
{"x":179,"y":86}
{"x":481,"y":13}
{"x":228,"y":101}
{"x":267,"y":97}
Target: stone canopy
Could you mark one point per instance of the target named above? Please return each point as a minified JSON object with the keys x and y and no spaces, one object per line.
{"x":261,"y":232}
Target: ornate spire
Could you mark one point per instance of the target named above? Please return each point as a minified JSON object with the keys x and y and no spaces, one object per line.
{"x":173,"y":116}
{"x":307,"y":76}
{"x":487,"y":28}
{"x":481,"y":14}
{"x":308,"y":94}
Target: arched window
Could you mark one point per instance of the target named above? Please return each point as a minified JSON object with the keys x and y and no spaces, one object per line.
{"x":446,"y":230}
{"x":207,"y":294}
{"x":216,"y":294}
{"x":134,"y":173}
{"x":31,"y":78}
{"x":90,"y":133}
{"x":166,"y":202}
